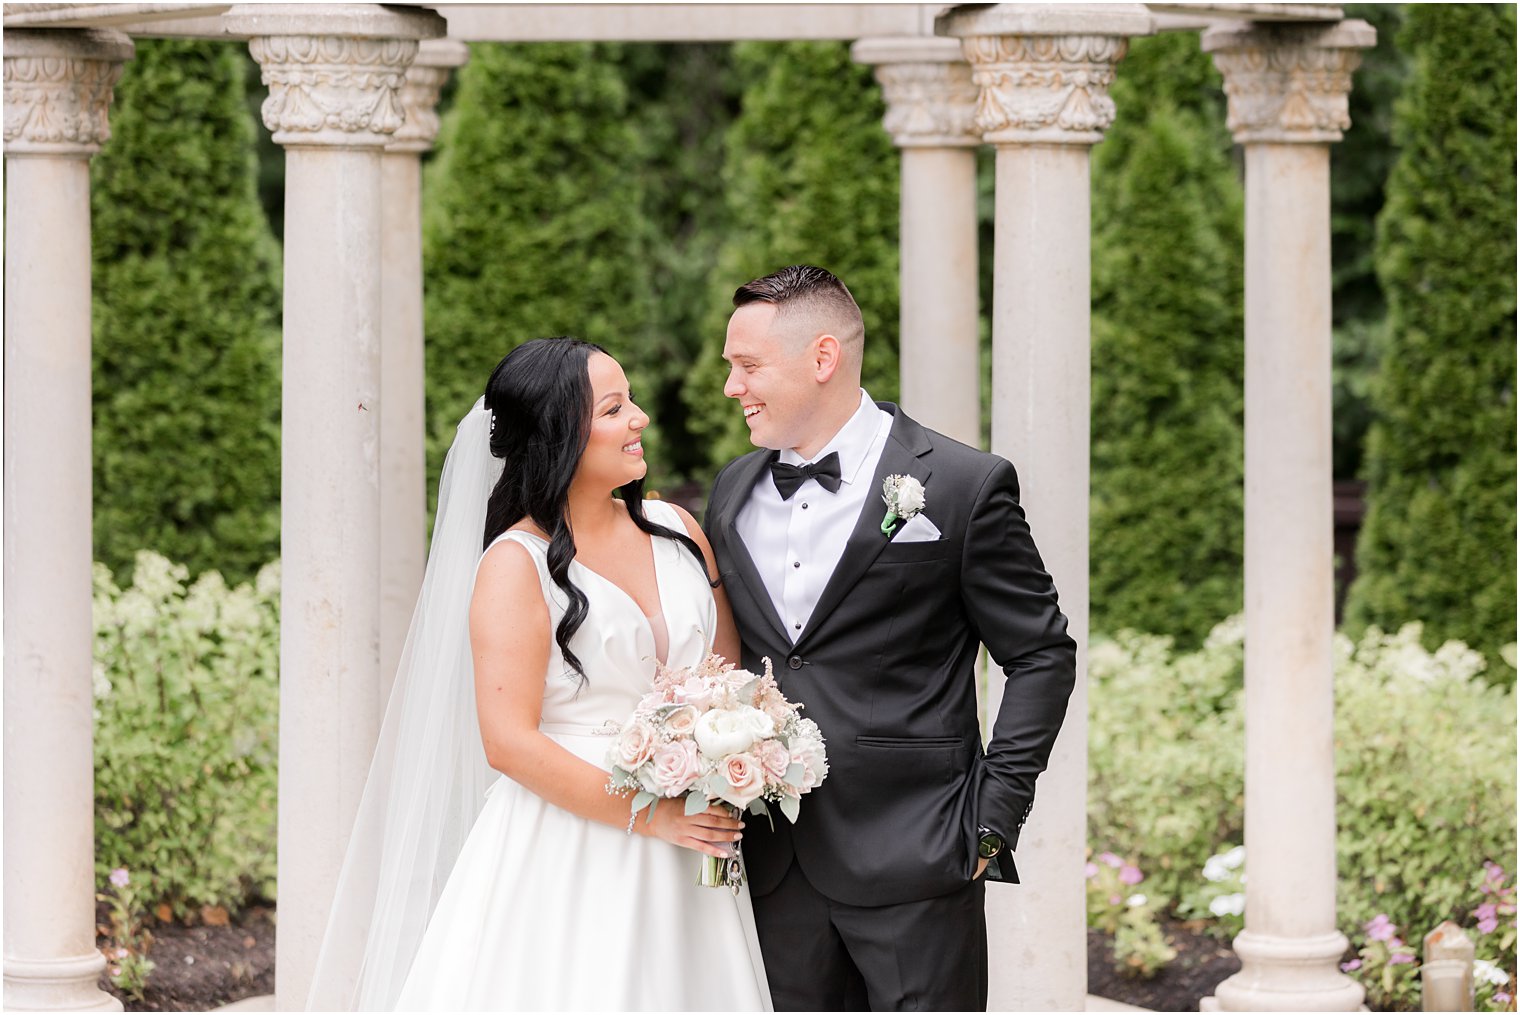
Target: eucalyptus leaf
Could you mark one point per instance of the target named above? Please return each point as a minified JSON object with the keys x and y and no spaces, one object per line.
{"x":790,"y":806}
{"x":696,"y":803}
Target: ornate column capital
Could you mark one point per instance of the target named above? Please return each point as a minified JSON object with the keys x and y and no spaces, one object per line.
{"x":334,"y":72}
{"x":931,"y":99}
{"x":1043,"y":70}
{"x":58,"y":88}
{"x":425,"y":79}
{"x":1288,"y":83}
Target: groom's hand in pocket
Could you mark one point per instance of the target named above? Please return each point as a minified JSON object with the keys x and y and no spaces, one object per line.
{"x":981,"y":868}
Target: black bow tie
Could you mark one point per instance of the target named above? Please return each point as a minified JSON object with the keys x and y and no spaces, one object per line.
{"x":789,"y":477}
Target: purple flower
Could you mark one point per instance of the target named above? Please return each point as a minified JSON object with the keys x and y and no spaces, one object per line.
{"x":1130,"y":874}
{"x":1492,"y":871}
{"x":1354,"y":964}
{"x":1110,"y":859}
{"x":1114,"y":900}
{"x":1091,"y":870}
{"x":1400,"y":959}
{"x":1487,"y":911}
{"x":120,"y":878}
{"x":1379,"y":928}
{"x":1488,"y":926}
{"x":1502,"y":997}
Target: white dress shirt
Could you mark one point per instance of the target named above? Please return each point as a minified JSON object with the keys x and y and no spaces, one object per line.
{"x":797,"y":543}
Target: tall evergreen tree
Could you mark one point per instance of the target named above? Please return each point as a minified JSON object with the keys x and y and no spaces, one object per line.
{"x":811,"y":177}
{"x":186,"y":320}
{"x":1438,"y":544}
{"x":533,"y":224}
{"x":1167,"y":351}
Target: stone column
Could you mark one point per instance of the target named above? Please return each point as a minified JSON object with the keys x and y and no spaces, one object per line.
{"x":334,"y":74}
{"x":1287,"y":88}
{"x":931,"y":106}
{"x":403,"y":425}
{"x":1043,"y":73}
{"x":57,"y":89}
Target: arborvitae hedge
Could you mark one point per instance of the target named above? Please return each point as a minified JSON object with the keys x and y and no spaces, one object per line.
{"x":810,"y":177}
{"x":1438,"y":544}
{"x":186,"y":320}
{"x":1167,"y":351}
{"x":533,"y":225}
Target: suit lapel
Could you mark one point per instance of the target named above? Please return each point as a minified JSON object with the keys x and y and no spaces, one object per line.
{"x":746,"y":474}
{"x":903,"y":453}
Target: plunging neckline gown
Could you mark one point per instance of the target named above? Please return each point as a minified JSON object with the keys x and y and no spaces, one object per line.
{"x":545,"y":910}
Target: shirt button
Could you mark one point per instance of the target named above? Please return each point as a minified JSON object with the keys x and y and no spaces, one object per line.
{"x":795,"y":662}
{"x":796,"y":563}
{"x":797,"y":625}
{"x":804,"y":505}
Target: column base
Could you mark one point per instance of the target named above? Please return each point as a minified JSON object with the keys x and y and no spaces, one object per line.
{"x":1287,"y":974}
{"x":67,"y":984}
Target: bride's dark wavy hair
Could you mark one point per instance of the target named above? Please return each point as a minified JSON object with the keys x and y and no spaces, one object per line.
{"x":539,"y":397}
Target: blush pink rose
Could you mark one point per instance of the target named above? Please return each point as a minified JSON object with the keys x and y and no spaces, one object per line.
{"x":635,"y":746}
{"x":743,"y":778}
{"x":693,"y":691}
{"x":681,"y":721}
{"x":809,"y":754}
{"x":775,"y":759}
{"x":676,"y":766}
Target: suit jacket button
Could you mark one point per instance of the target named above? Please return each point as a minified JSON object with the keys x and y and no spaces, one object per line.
{"x":795,"y":662}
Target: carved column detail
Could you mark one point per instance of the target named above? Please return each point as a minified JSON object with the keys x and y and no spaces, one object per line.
{"x":425,"y":78}
{"x":58,"y":88}
{"x":926,"y":82}
{"x":1288,"y":83}
{"x":1044,"y":88}
{"x":332,"y":90}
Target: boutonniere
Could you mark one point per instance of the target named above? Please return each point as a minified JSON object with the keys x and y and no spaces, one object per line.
{"x":905,"y":499}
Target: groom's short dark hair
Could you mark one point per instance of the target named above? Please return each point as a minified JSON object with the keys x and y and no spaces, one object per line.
{"x":805,"y":290}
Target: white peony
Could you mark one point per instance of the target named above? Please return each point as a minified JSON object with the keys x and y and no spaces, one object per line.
{"x":721,"y":732}
{"x":910,"y":497}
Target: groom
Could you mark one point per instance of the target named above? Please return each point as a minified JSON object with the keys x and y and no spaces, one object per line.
{"x":874,"y":898}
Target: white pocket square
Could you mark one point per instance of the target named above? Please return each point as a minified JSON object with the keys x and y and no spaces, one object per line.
{"x":919,"y":529}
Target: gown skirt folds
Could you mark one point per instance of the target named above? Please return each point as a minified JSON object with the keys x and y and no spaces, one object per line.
{"x":545,"y":910}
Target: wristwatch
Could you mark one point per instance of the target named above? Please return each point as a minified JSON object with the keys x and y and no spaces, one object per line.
{"x":989,"y":844}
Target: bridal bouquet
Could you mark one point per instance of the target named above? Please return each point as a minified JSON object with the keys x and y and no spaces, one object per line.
{"x":713,"y":732}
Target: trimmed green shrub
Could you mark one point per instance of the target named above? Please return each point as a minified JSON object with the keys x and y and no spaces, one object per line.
{"x":1425,"y":774}
{"x":532,"y":224}
{"x":186,"y":320}
{"x":186,"y":698}
{"x":1438,"y":544}
{"x":810,"y":177}
{"x":1168,"y":361}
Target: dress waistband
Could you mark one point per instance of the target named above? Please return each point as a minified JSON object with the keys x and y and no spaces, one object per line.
{"x":610,"y":728}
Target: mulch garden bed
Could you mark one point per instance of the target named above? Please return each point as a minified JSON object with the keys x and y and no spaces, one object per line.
{"x":202,"y":967}
{"x":1202,"y":962}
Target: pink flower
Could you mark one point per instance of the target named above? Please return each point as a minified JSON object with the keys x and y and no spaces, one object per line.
{"x":1492,"y":871}
{"x":1091,"y":870}
{"x":693,"y":691}
{"x":815,"y":765}
{"x":1110,"y":859}
{"x":635,"y":746}
{"x":1488,"y":926}
{"x":120,"y":878}
{"x":1379,"y":928}
{"x":1130,"y":874}
{"x":1354,"y":964}
{"x":1400,"y":959}
{"x":122,"y":953}
{"x":1502,"y":997}
{"x":681,"y":721}
{"x":775,"y":759}
{"x":744,"y":779}
{"x":676,"y":766}
{"x":1114,"y":900}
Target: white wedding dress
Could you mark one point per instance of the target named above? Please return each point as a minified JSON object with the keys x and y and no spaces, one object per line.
{"x":545,"y":910}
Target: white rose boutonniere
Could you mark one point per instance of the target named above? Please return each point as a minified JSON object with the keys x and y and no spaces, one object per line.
{"x":904,"y":496}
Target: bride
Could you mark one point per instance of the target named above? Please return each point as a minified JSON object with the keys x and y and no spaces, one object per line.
{"x":489,"y":868}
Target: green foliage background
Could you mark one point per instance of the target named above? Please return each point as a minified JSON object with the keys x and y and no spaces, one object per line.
{"x":1167,"y":329}
{"x":186,"y":320}
{"x":1438,"y":544}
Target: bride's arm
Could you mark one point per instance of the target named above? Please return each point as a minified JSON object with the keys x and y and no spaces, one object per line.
{"x":726,"y":638}
{"x":509,"y":637}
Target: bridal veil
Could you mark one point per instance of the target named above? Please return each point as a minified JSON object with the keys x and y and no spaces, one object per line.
{"x":429,"y":775}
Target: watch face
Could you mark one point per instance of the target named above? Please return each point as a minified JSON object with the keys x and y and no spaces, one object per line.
{"x":989,"y":846}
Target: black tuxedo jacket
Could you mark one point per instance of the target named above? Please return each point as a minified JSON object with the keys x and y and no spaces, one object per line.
{"x":885,"y":667}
